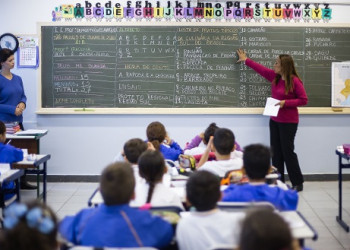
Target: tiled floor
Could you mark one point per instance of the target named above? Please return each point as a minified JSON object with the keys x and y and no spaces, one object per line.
{"x":318,"y":203}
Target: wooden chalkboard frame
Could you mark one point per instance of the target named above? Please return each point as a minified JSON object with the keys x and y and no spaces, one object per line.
{"x":238,"y":110}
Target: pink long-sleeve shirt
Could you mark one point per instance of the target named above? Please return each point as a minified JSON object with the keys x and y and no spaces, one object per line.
{"x":294,"y":99}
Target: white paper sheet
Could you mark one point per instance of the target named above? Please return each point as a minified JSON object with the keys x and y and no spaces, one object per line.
{"x":271,"y":109}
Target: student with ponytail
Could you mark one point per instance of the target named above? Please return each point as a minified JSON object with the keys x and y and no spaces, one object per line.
{"x":153,"y":192}
{"x":158,"y":136}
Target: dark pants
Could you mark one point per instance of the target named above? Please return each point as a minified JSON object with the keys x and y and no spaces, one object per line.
{"x":282,"y":145}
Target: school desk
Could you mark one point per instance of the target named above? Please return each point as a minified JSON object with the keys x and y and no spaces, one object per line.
{"x":37,"y":167}
{"x":176,"y":182}
{"x":28,"y":141}
{"x":300,"y":227}
{"x":10,"y":175}
{"x":96,"y":197}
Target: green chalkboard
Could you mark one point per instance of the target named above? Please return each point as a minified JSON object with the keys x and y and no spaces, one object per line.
{"x":180,"y":66}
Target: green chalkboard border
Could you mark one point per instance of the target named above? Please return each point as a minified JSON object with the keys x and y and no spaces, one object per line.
{"x":213,"y":111}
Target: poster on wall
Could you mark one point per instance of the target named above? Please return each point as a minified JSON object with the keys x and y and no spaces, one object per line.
{"x":28,"y":52}
{"x":341,"y":84}
{"x":207,"y":11}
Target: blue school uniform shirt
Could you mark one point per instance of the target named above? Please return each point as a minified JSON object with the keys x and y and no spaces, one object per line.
{"x":171,"y":152}
{"x":283,"y":200}
{"x":11,"y":94}
{"x":105,"y":226}
{"x":9,"y":154}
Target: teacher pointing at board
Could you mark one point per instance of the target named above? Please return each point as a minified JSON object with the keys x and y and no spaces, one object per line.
{"x":289,"y":89}
{"x":12,"y":96}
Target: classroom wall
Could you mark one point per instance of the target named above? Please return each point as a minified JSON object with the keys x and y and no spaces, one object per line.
{"x":84,"y":144}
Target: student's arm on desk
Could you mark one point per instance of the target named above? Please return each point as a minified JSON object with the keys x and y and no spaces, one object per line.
{"x":12,"y":153}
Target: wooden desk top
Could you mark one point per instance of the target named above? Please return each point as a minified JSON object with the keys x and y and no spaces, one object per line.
{"x":30,"y":164}
{"x":28,"y":137}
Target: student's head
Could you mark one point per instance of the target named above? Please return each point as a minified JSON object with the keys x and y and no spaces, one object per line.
{"x":151,"y":168}
{"x":117,"y":183}
{"x":224,"y":141}
{"x":203,"y":190}
{"x":256,"y":161}
{"x":133,"y":148}
{"x":29,"y":226}
{"x":265,"y":230}
{"x":210,"y":130}
{"x":156,"y":134}
{"x":2,"y":132}
{"x":5,"y":54}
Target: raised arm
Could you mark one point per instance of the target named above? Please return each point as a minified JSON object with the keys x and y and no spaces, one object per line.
{"x":206,"y":153}
{"x":265,"y":72}
{"x":194,"y":142}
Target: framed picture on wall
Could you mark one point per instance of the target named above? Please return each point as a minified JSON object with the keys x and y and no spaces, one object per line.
{"x":341,"y":84}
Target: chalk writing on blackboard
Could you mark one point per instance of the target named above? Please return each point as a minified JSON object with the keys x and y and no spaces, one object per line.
{"x":180,"y":67}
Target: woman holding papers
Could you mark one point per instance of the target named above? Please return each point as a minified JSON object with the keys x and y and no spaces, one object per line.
{"x":288,"y":88}
{"x":12,"y":97}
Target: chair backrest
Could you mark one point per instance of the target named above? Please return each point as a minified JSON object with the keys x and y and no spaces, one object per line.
{"x":243,"y":206}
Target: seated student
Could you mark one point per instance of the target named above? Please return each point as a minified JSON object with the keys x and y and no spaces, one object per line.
{"x":152,"y":169}
{"x":115,"y":223}
{"x":256,"y":163}
{"x":8,"y":154}
{"x":223,"y":143}
{"x":157,"y":135}
{"x":132,"y":150}
{"x":265,"y":230}
{"x":29,"y":226}
{"x":207,"y":227}
{"x":132,"y":143}
{"x":199,"y":143}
